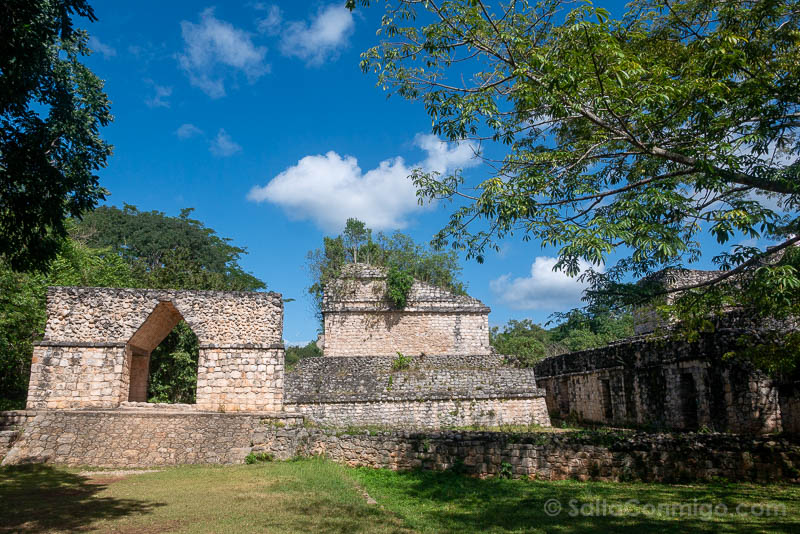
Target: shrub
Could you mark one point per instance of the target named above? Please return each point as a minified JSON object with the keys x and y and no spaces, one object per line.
{"x":401,"y":362}
{"x":398,"y":285}
{"x":255,"y":457}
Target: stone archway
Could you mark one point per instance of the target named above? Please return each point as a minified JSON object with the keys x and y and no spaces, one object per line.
{"x":98,"y":341}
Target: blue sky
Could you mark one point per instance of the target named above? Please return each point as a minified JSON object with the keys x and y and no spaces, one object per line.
{"x":258,"y":116}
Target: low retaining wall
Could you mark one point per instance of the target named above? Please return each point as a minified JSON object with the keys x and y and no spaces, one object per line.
{"x":138,"y":439}
{"x":583,"y":456}
{"x":146,"y":438}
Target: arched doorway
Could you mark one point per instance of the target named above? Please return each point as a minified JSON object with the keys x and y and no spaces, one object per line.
{"x":162,"y":321}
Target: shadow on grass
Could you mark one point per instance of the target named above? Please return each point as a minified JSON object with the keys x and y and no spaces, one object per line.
{"x":333,"y":517}
{"x":448,"y":502}
{"x":40,"y":498}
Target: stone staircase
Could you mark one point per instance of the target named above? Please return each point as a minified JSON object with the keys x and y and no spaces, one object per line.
{"x":11,"y":425}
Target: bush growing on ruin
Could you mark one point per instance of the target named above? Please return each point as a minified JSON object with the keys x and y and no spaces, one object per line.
{"x":398,"y":285}
{"x":396,"y":252}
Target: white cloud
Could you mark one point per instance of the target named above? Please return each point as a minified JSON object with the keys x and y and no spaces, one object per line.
{"x":271,"y":24}
{"x":185,"y":131}
{"x":98,"y":46}
{"x":223,"y":145}
{"x":159,"y":98}
{"x":329,"y":188}
{"x":321,"y":38}
{"x":544,"y":289}
{"x":215,"y":50}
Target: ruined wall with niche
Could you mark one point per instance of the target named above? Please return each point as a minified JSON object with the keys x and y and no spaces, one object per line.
{"x":664,"y":383}
{"x":359,"y":321}
{"x":97,"y":343}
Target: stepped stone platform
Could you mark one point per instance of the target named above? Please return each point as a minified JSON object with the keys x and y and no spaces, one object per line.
{"x":423,"y":392}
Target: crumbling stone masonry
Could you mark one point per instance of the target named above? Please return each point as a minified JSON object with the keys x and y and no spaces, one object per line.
{"x":668,"y":383}
{"x":550,"y":456}
{"x":360,"y":322}
{"x":96,"y":348}
{"x":447,"y":376}
{"x":129,"y":438}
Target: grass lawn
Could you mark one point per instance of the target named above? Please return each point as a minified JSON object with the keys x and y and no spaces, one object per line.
{"x":319,"y":496}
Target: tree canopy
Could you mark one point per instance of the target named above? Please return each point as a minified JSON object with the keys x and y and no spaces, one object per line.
{"x":638,"y":137}
{"x":167,"y":252}
{"x":576,"y":330}
{"x":51,"y":110}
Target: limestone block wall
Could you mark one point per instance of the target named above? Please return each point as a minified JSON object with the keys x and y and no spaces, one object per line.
{"x":359,"y":321}
{"x":582,"y":456}
{"x":114,"y":315}
{"x":427,"y":414}
{"x":74,"y":374}
{"x":385,"y":333}
{"x":665,"y":383}
{"x":240,"y":379}
{"x":138,"y":439}
{"x":430,"y":392}
{"x":97,"y":343}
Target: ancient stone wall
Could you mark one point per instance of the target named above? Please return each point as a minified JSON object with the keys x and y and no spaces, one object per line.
{"x":120,"y":438}
{"x":423,"y":392}
{"x":97,"y":344}
{"x":600,"y":456}
{"x":429,"y":413}
{"x":662,"y":383}
{"x":386,"y":333}
{"x":358,"y":321}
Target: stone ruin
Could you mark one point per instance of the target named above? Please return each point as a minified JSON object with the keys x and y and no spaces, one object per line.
{"x":428,"y":367}
{"x":359,"y":321}
{"x":97,"y":343}
{"x":656,"y":380}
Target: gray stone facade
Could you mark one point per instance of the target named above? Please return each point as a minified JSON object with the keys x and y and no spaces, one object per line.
{"x":666,"y":383}
{"x":97,"y":345}
{"x":426,"y":392}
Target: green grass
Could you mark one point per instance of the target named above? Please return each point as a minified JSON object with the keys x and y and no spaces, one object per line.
{"x":446,"y":502}
{"x":303,"y":496}
{"x":319,"y":496}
